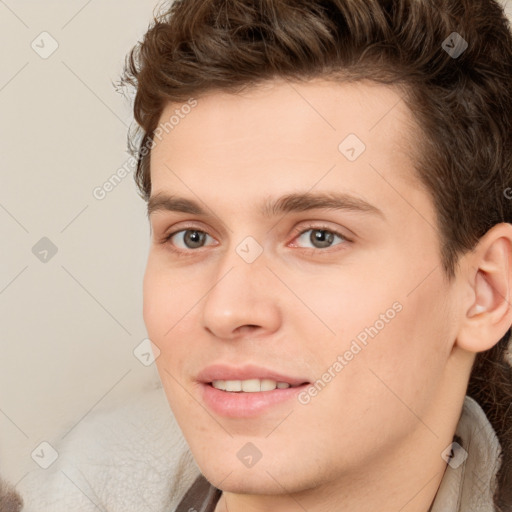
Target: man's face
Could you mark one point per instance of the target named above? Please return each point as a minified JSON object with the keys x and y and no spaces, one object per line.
{"x":351,"y":300}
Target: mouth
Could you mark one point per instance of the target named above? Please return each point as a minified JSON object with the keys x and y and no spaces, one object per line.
{"x":247,"y":378}
{"x":251,"y":385}
{"x":248,"y":391}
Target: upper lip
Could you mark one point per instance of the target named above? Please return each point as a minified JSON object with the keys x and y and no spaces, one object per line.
{"x":245,"y":372}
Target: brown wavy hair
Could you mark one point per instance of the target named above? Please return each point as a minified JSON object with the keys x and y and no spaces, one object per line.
{"x":462,"y":104}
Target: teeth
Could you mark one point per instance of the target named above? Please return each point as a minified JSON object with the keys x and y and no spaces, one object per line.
{"x":250,"y":385}
{"x":268,"y":385}
{"x":233,"y":385}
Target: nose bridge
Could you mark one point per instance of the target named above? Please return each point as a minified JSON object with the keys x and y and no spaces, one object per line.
{"x":243,"y":263}
{"x":240,"y":294}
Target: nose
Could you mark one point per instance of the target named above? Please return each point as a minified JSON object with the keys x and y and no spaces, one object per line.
{"x":243,"y":299}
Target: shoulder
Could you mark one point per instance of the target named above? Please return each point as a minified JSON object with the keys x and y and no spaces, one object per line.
{"x":131,"y":458}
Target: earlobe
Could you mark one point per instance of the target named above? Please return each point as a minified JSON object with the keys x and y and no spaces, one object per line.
{"x":488,"y":316}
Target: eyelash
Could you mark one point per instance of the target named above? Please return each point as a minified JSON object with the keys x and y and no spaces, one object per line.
{"x":297,"y":232}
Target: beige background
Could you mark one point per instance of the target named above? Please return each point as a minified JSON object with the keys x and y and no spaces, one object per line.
{"x":68,"y":325}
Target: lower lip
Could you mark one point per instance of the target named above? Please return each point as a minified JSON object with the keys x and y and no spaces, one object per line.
{"x":246,"y":405}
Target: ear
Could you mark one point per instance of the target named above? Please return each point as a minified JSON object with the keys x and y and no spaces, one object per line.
{"x":487,"y":313}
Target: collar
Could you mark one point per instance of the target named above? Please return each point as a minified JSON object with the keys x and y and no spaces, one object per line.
{"x":469,"y":481}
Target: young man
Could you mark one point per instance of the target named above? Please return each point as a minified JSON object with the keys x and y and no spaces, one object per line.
{"x":329,"y":278}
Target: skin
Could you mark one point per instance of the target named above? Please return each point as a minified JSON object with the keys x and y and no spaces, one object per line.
{"x":372,"y":438}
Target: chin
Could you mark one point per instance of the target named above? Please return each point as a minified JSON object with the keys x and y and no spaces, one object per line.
{"x":248,"y":484}
{"x":255,"y":480}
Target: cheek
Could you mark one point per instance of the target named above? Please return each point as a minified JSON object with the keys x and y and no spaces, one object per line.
{"x":170,"y":308}
{"x":395,"y":343}
{"x":404,"y":362}
{"x":164,"y":300}
{"x":163,"y":313}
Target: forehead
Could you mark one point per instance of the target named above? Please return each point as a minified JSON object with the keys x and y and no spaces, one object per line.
{"x":282,"y":131}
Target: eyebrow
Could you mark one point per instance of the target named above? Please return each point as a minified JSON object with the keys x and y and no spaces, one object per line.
{"x":294,"y":202}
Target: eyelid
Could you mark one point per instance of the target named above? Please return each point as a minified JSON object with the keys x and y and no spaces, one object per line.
{"x":320,"y":226}
{"x":297,"y":231}
{"x":184,"y":227}
{"x":165,"y":239}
